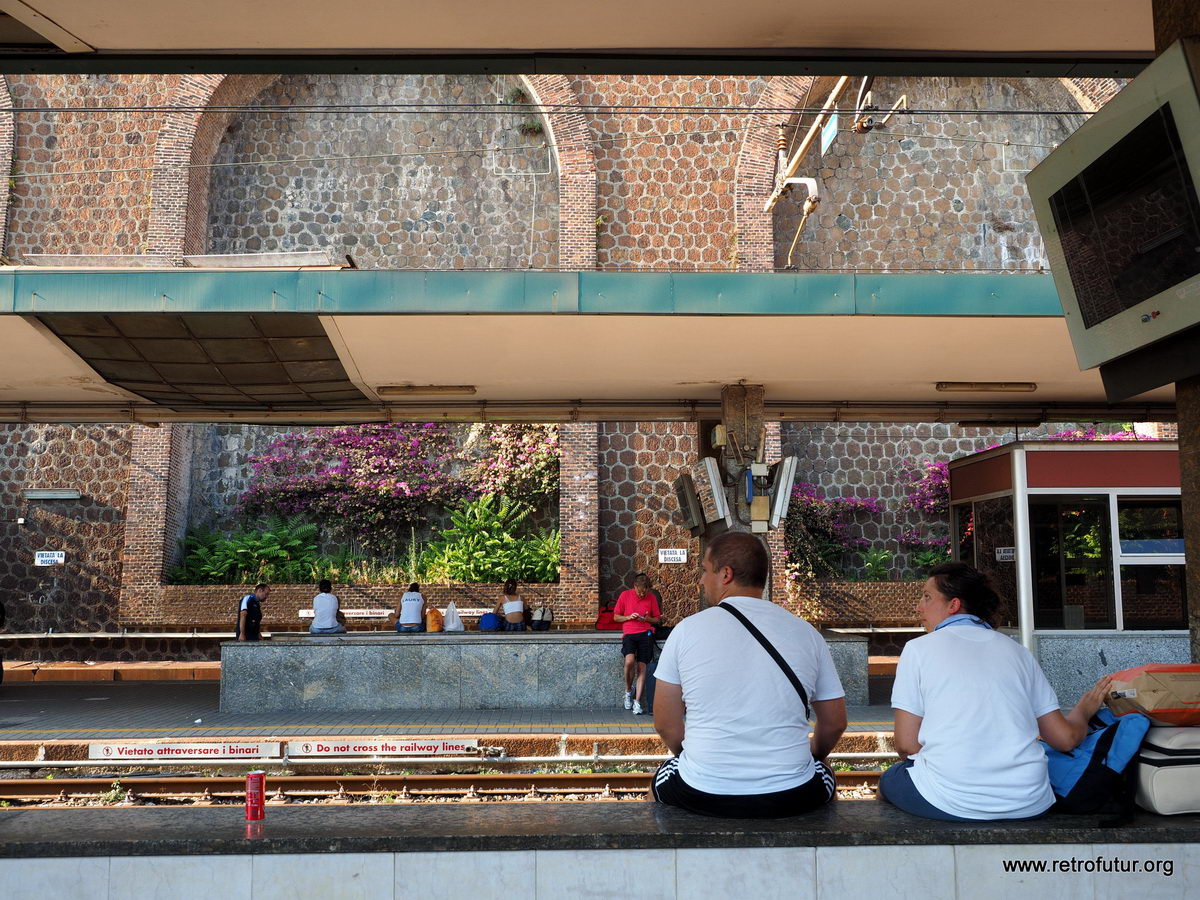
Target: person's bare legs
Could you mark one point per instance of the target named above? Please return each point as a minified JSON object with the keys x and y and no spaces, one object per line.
{"x":629,"y":671}
{"x":641,"y":680}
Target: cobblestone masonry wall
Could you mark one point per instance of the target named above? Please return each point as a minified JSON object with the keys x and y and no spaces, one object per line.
{"x":82,"y":594}
{"x":99,"y":199}
{"x":865,"y":460}
{"x":220,"y":470}
{"x":662,"y":186}
{"x":924,"y":192}
{"x":637,"y":510}
{"x":665,"y":183}
{"x":444,"y":201}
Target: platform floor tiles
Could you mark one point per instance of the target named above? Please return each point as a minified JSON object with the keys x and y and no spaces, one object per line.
{"x":190,"y":709}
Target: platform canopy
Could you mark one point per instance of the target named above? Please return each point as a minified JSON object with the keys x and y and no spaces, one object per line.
{"x":175,"y":344}
{"x":1018,"y":37}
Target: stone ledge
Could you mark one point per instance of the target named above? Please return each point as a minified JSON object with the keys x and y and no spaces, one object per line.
{"x":535,"y":826}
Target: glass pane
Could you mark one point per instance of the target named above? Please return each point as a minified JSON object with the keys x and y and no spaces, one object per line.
{"x":964,"y":528}
{"x":1150,"y":526}
{"x":1154,"y":597}
{"x":1072,"y":568}
{"x":994,"y":532}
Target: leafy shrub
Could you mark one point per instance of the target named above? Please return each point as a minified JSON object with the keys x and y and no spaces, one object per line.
{"x":924,"y":560}
{"x":876,"y":564}
{"x":820,"y":531}
{"x":489,"y":540}
{"x":281,"y":550}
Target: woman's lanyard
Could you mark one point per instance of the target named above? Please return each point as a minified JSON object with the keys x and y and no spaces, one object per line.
{"x":962,"y":619}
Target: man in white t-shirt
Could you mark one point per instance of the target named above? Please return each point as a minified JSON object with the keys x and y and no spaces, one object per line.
{"x":325,"y":611}
{"x":743,"y":749}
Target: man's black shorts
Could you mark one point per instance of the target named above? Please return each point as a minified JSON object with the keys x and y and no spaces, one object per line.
{"x":641,"y":645}
{"x":670,"y":788}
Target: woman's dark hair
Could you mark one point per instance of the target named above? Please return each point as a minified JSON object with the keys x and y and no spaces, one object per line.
{"x":324,"y":586}
{"x":955,"y":579}
{"x":510,"y":586}
{"x":414,"y":587}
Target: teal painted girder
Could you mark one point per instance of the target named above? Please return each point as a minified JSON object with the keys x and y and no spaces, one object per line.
{"x":407,"y":292}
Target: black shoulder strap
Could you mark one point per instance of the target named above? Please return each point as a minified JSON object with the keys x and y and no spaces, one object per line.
{"x":775,"y":655}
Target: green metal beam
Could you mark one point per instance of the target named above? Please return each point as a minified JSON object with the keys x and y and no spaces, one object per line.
{"x":407,"y":292}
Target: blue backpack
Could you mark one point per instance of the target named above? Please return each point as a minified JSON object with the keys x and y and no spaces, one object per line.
{"x":1091,"y":778}
{"x":489,"y":622}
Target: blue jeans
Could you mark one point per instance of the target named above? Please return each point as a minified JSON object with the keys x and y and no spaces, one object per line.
{"x":506,"y":625}
{"x":410,"y":628}
{"x":895,"y":786}
{"x":336,"y":629}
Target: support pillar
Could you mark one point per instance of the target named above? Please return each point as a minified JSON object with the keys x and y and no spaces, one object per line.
{"x":1175,"y":19}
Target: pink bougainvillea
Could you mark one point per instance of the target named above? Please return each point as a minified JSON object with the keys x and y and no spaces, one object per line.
{"x":370,"y":482}
{"x":520,"y":461}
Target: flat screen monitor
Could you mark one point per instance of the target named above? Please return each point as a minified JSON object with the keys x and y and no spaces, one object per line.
{"x":1117,"y":207}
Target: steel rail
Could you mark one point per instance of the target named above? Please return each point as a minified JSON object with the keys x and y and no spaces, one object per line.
{"x":305,"y":786}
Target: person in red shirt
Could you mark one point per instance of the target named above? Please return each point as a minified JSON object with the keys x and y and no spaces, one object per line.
{"x":638,"y":612}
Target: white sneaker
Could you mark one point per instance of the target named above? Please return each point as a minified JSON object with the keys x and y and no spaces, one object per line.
{"x":629,"y":699}
{"x":637,"y":708}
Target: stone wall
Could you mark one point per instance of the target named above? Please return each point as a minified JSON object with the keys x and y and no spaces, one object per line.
{"x":394,"y":190}
{"x":81,"y":595}
{"x":866,"y":459}
{"x":220,"y":470}
{"x":935,"y":192}
{"x":637,"y":510}
{"x":884,"y":604}
{"x":665,"y":184}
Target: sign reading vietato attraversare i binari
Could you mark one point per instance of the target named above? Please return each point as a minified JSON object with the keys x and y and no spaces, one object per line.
{"x":225,"y":750}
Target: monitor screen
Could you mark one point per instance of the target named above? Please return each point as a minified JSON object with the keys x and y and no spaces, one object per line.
{"x":1129,"y":223}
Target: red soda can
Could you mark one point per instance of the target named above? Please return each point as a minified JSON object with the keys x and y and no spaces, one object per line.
{"x":256,"y":787}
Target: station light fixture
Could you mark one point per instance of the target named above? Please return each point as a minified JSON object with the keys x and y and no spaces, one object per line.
{"x":51,"y":494}
{"x":1002,"y":387}
{"x":408,"y":390}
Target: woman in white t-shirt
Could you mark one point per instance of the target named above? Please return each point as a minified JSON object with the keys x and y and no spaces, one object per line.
{"x":970,"y":706}
{"x":325,"y":611}
{"x":410,"y":611}
{"x":511,"y":608}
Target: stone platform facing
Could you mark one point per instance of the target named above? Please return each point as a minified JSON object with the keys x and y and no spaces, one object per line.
{"x":1073,"y":660}
{"x":863,"y":849}
{"x":463,"y":670}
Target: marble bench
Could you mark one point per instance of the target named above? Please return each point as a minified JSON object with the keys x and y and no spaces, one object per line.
{"x":504,"y":850}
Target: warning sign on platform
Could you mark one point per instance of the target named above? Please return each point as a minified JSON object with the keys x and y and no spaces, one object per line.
{"x":672,"y":556}
{"x":358,"y":747}
{"x":49,"y":557}
{"x":188,"y":751}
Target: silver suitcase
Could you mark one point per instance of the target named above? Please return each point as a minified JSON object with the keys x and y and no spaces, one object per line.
{"x":1168,"y":771}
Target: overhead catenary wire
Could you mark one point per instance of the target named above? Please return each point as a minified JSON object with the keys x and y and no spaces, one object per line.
{"x":508,"y":108}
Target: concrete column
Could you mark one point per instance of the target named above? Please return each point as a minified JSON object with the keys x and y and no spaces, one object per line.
{"x":1187,"y":399}
{"x":1175,"y":19}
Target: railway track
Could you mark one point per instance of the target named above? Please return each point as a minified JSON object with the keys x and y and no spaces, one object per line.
{"x":126,"y":789}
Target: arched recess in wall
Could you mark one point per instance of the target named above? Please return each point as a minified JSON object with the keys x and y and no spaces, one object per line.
{"x":194,"y":138}
{"x":756,"y":170}
{"x":8,"y":130}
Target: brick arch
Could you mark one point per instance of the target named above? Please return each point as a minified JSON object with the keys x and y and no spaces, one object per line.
{"x":571,"y":141}
{"x":755,"y":178}
{"x":190,"y":137}
{"x":8,"y":129}
{"x":1091,"y":93}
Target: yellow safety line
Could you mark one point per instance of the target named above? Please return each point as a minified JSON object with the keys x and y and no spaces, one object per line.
{"x":240,"y":729}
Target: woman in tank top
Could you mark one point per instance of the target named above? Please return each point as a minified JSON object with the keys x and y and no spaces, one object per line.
{"x":410,"y":611}
{"x":511,"y":608}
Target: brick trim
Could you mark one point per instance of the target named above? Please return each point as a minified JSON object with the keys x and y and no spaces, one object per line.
{"x":755,"y":177}
{"x":571,"y":141}
{"x":8,"y":128}
{"x":1091,"y":93}
{"x":145,"y":554}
